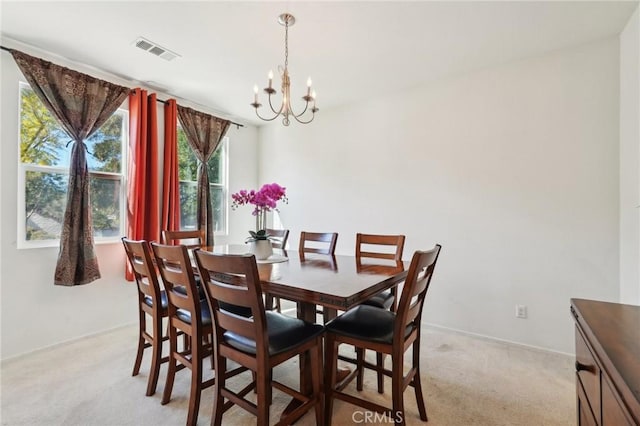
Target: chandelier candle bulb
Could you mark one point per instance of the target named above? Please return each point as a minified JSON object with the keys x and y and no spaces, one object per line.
{"x":270,"y":78}
{"x":255,"y":93}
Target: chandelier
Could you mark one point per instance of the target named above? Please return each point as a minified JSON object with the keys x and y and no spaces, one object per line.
{"x":285,"y":109}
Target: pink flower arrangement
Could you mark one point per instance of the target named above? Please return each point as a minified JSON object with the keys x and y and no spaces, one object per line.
{"x":264,"y":200}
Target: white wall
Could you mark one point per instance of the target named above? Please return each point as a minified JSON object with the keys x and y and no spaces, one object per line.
{"x":35,"y":313}
{"x":513,"y":169}
{"x":630,"y":161}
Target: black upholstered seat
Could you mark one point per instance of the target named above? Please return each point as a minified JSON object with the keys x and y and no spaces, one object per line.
{"x":367,"y":322}
{"x":183,"y":290}
{"x":284,"y":332}
{"x":205,"y":314}
{"x":243,"y":311}
{"x":383,"y":300}
{"x":148,"y":300}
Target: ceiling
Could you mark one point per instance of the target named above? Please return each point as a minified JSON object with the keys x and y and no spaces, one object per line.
{"x":352,"y":50}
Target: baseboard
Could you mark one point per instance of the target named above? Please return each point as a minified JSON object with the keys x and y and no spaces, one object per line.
{"x":66,"y":342}
{"x":496,"y":339}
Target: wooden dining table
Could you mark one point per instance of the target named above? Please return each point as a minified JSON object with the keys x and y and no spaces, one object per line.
{"x":312,"y":280}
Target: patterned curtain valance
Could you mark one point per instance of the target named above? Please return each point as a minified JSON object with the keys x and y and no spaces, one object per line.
{"x":81,"y":103}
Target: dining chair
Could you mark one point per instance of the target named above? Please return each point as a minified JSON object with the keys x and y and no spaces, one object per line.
{"x":152,"y":302}
{"x":258,"y":343}
{"x":383,"y":249}
{"x":318,"y":242}
{"x":392,"y":333}
{"x":192,"y":239}
{"x":279,"y":239}
{"x":188,"y":314}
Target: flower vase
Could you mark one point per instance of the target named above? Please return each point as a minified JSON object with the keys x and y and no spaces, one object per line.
{"x":261,"y":220}
{"x":261,"y":249}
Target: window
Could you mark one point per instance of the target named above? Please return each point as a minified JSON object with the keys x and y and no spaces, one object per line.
{"x":45,"y":153}
{"x":188,"y":175}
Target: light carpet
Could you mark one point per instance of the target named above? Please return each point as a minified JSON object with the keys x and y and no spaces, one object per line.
{"x":466,"y":381}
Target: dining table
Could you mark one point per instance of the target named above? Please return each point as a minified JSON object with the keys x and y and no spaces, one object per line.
{"x":333,"y":282}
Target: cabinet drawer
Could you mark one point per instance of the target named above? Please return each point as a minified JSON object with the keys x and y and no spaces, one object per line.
{"x":612,"y":412}
{"x":588,"y":373}
{"x":585,"y":416}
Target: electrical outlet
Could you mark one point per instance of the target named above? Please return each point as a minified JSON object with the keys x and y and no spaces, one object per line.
{"x":521,"y":311}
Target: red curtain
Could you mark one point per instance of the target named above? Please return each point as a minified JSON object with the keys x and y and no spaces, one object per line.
{"x":170,"y":187}
{"x":143,"y":169}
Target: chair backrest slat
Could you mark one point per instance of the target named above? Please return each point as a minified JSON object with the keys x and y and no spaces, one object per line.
{"x":415,"y":289}
{"x":331,"y":238}
{"x":365,"y":244}
{"x":239,"y":325}
{"x":175,"y":268}
{"x":191,"y":239}
{"x":413,"y":312}
{"x":228,"y":294}
{"x":279,"y":237}
{"x":234,"y":279}
{"x":144,"y":271}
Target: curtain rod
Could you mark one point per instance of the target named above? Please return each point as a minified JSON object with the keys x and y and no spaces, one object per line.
{"x":238,"y":125}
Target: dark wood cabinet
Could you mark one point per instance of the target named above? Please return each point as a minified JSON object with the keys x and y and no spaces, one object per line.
{"x":607,"y":363}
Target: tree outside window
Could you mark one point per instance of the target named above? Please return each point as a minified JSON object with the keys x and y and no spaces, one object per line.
{"x":188,"y":176}
{"x":44,"y":164}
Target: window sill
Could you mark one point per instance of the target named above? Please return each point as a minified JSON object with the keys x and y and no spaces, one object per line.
{"x":26,"y":245}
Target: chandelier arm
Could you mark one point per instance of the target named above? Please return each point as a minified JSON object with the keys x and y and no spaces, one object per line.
{"x":273,"y":109}
{"x":266,"y":119}
{"x":302,"y":121}
{"x":306,"y":107}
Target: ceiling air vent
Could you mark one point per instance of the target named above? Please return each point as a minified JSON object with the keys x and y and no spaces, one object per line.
{"x":153,"y":48}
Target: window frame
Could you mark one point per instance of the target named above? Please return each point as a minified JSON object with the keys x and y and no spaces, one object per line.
{"x":24,"y":168}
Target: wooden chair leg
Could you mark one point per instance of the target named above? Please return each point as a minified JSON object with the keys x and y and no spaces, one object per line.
{"x":196,"y":382}
{"x":263,"y":395}
{"x":156,"y":356}
{"x":268,"y":302}
{"x":328,"y":314}
{"x":171,"y":371}
{"x":269,"y":388}
{"x":218,"y":399}
{"x":417,"y":383}
{"x":360,"y":353}
{"x":397,"y":379}
{"x":316,"y":378}
{"x":141,"y":342}
{"x":380,"y":365}
{"x":330,"y":371}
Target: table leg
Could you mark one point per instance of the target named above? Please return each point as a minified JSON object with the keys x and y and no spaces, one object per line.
{"x":306,"y":312}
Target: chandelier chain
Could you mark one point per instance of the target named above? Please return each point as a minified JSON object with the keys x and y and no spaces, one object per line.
{"x":286,"y":45}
